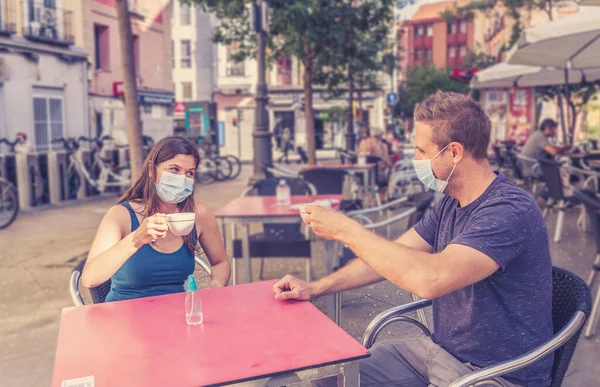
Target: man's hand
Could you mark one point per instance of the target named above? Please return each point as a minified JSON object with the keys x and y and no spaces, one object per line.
{"x":328,"y":224}
{"x":290,"y":288}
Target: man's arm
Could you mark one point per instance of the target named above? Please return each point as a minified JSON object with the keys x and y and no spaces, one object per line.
{"x":354,"y":275}
{"x":556,"y":150}
{"x":420,"y":272}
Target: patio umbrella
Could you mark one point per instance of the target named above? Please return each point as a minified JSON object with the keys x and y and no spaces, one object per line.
{"x":571,"y":42}
{"x":504,"y":75}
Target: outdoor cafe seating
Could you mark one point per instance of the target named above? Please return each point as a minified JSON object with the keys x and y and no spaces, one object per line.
{"x":571,"y":304}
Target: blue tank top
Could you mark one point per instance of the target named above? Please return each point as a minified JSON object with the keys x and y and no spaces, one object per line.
{"x":149,"y":272}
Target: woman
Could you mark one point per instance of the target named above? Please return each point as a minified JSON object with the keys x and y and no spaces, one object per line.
{"x":133,"y":245}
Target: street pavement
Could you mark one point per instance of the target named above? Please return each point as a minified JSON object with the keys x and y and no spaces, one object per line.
{"x":39,"y":251}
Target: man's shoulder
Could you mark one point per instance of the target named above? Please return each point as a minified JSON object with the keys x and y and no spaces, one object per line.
{"x":505,"y":196}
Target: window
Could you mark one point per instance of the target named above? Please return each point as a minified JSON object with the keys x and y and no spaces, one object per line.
{"x":462,"y":51}
{"x":169,"y":111}
{"x":147,"y":109}
{"x":186,"y":91}
{"x":284,"y":71}
{"x":451,"y":52}
{"x":234,"y":69}
{"x":186,"y":54}
{"x":47,"y":122}
{"x":185,"y":18}
{"x":418,"y":31}
{"x":418,"y":55}
{"x":451,"y":28}
{"x":172,"y":54}
{"x":101,"y":47}
{"x":462,"y":27}
{"x":430,"y":30}
{"x":428,"y":54}
{"x":136,"y":53}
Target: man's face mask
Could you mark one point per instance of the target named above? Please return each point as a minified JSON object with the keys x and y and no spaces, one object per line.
{"x":425,"y":174}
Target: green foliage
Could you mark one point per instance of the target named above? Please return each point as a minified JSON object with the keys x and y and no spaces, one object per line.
{"x":421,"y":83}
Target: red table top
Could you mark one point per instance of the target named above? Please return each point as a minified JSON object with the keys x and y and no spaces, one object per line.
{"x":246,"y":335}
{"x":339,"y":166}
{"x":267,"y":205}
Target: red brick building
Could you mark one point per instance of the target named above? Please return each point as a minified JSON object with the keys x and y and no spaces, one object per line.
{"x":433,"y":40}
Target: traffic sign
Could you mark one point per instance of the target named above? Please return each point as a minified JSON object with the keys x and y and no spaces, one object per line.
{"x":391,"y":98}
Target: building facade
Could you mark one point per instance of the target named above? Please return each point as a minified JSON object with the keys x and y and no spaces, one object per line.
{"x":193,"y":64}
{"x":43,"y":71}
{"x":150,"y":20}
{"x":435,"y":40}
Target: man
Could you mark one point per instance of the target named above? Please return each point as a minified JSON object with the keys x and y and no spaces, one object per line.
{"x":481,"y":255}
{"x":538,"y":146}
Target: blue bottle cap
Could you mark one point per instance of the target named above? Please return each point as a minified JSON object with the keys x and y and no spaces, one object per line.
{"x":191,"y":284}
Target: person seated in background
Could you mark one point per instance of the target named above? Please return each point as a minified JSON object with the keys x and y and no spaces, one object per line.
{"x":481,"y":255}
{"x":538,"y":146}
{"x":372,"y":145}
{"x":22,"y":146}
{"x":133,"y":245}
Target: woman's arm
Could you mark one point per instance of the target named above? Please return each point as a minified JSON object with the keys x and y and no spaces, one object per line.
{"x":212,"y":243}
{"x":110,"y":249}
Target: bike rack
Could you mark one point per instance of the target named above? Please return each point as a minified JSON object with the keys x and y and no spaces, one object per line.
{"x":57,"y":172}
{"x":8,"y":167}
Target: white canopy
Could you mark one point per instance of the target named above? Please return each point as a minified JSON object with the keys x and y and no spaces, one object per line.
{"x":570,"y":42}
{"x":504,"y":75}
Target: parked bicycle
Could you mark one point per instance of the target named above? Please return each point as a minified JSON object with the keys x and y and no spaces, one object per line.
{"x":105,"y":177}
{"x":213,"y":166}
{"x":39,"y":184}
{"x":9,"y":203}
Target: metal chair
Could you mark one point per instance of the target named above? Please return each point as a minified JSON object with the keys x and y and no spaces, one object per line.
{"x":557,"y":196}
{"x":277,"y":240}
{"x":591,"y":203}
{"x":406,"y":211}
{"x":99,"y":293}
{"x":571,"y":303}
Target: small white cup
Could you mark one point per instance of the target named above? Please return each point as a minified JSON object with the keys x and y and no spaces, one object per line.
{"x":181,"y":223}
{"x":321,"y":203}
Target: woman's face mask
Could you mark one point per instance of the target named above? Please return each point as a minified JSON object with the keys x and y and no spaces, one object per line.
{"x":173,"y":188}
{"x":425,"y":174}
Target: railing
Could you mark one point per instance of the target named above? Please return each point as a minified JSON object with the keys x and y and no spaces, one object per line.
{"x":49,"y":24}
{"x":7,"y":17}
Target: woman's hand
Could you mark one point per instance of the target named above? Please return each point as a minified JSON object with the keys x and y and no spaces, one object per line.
{"x":152,"y":228}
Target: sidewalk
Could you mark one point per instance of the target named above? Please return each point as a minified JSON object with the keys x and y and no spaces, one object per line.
{"x":38,"y":252}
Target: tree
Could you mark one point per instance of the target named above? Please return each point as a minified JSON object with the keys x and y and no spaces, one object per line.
{"x":319,"y":33}
{"x":420,"y":83}
{"x":132,"y":111}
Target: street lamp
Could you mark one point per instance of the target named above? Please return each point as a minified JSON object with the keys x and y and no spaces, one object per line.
{"x":261,"y":142}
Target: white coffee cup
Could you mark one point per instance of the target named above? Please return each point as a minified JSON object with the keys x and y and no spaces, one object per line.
{"x":321,"y":203}
{"x":181,"y":223}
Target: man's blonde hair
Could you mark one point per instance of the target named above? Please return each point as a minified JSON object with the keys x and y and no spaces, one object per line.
{"x":456,"y":117}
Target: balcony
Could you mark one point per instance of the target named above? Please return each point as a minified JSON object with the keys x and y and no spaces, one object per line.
{"x":457,"y":39}
{"x":49,"y":24}
{"x":7,"y":17}
{"x":423,"y":42}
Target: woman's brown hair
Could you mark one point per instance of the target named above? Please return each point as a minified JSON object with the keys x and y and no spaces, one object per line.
{"x":143,"y":191}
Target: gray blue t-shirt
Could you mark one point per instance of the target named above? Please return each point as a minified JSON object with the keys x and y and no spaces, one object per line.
{"x":510,"y":312}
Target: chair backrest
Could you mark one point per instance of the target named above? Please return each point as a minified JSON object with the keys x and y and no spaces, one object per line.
{"x":499,"y":157}
{"x":514,"y":164}
{"x":551,"y":174}
{"x":100,"y":292}
{"x":326,"y":181}
{"x":591,"y":202}
{"x":570,"y":294}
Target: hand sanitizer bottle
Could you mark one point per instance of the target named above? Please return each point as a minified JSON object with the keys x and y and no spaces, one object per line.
{"x":193,"y":303}
{"x":282,"y":193}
